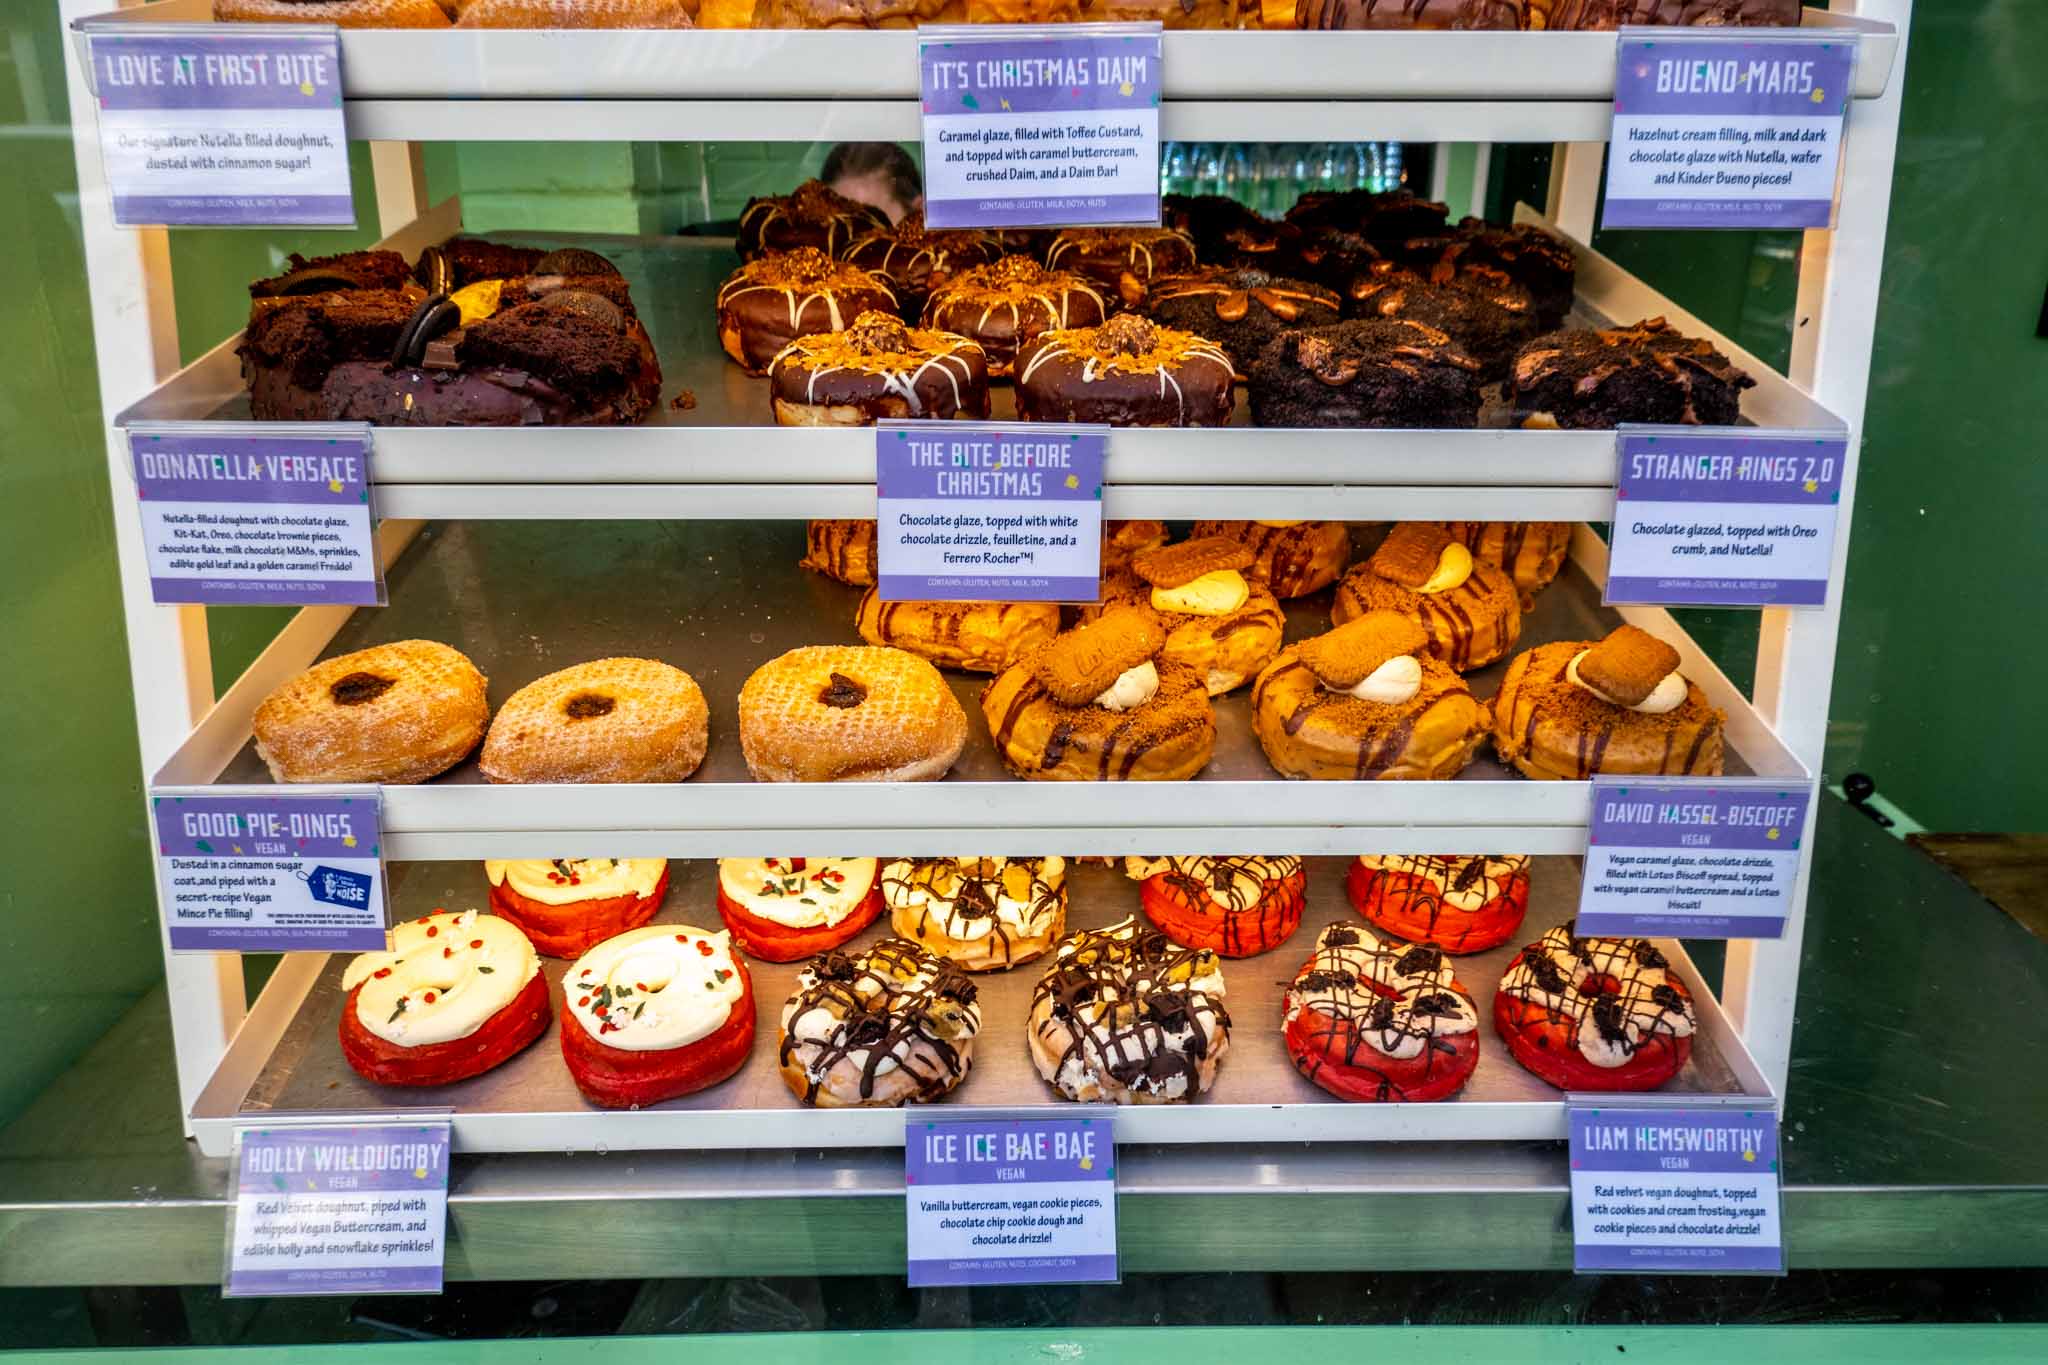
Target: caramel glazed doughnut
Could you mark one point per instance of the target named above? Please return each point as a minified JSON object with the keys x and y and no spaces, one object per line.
{"x":1550,"y":723}
{"x":841,"y":549}
{"x":849,"y":713}
{"x":1125,"y":1015}
{"x":878,"y":1028}
{"x":609,"y":720}
{"x":981,"y":914}
{"x":975,"y":637}
{"x":341,"y":13}
{"x":401,"y":712}
{"x":1294,"y":557}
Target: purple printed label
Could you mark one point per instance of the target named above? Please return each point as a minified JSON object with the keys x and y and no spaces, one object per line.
{"x":1665,"y":1189}
{"x":1729,"y":517}
{"x":1726,"y":130}
{"x":1011,"y":1201}
{"x":206,"y":125}
{"x":265,"y":516}
{"x":1692,"y":859}
{"x":973,"y":512}
{"x":340,"y":1210}
{"x":1040,"y":131}
{"x":271,"y":873}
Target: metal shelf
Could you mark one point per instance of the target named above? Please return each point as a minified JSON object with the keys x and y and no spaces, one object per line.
{"x":803,"y":86}
{"x":725,"y":458}
{"x":719,"y":598}
{"x":296,"y":1070}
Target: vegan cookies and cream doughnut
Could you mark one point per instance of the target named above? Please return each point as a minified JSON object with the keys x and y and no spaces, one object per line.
{"x":982,"y":914}
{"x":1595,"y":1013}
{"x":1126,"y":1016}
{"x":884,"y":1026}
{"x":1459,"y":904}
{"x":1239,"y":906}
{"x":1380,"y":1022}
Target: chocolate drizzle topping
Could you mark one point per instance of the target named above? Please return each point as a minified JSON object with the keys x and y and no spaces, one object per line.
{"x":1455,"y":897}
{"x":1127,"y":1009}
{"x":1620,"y":986}
{"x":958,"y":893}
{"x":1373,"y":1004}
{"x":894,"y":1003}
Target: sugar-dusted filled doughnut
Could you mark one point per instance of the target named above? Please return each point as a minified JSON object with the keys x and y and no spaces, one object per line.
{"x":401,"y":712}
{"x":609,"y":720}
{"x":655,"y":1013}
{"x":849,"y":713}
{"x":457,"y":994}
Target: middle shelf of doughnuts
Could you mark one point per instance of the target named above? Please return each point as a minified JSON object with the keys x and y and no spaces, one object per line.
{"x":718,"y":600}
{"x":719,"y":453}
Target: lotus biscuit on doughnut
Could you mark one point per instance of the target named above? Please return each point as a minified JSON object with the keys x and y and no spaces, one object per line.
{"x":789,"y":909}
{"x":1376,"y":1022}
{"x":394,"y":713}
{"x":609,"y":720}
{"x":655,"y":1013}
{"x":455,"y":995}
{"x":566,"y":906}
{"x":849,"y":713}
{"x":1595,"y":1013}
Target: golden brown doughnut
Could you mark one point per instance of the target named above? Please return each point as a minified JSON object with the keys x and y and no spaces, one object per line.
{"x":980,"y":914}
{"x":1122,"y":539}
{"x":975,"y":637}
{"x":1471,"y":610}
{"x":1226,"y":650}
{"x":392,"y":713}
{"x":576,"y":14}
{"x":1294,"y":557}
{"x":609,"y":720}
{"x":1551,"y":727}
{"x":340,"y":13}
{"x":1529,"y":552}
{"x":842,"y":549}
{"x":849,"y":713}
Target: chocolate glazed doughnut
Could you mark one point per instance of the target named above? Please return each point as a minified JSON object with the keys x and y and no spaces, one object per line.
{"x":770,"y":302}
{"x":1128,"y":373}
{"x":876,"y":369}
{"x":1004,"y":305}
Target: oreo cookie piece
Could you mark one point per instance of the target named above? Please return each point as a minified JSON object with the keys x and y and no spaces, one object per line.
{"x":1650,"y":372}
{"x":573,"y":260}
{"x":1370,"y":372}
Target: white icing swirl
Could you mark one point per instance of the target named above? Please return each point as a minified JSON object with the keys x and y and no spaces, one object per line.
{"x":1392,"y":683}
{"x":651,"y":989}
{"x":443,"y":979}
{"x":1350,"y":976}
{"x":1132,"y":688}
{"x":566,"y":881}
{"x":797,"y":893}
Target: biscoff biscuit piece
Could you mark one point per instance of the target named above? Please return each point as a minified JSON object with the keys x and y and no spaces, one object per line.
{"x":1173,"y":566}
{"x":1628,"y":665}
{"x":1347,"y":656}
{"x":1411,"y":552}
{"x":1082,"y":664}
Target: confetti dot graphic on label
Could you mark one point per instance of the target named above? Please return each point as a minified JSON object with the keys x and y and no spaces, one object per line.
{"x":1771,"y":834}
{"x":1748,"y":1154}
{"x":306,"y":89}
{"x":1813,"y":485}
{"x":1073,"y":481}
{"x":348,"y":841}
{"x":1818,"y":95}
{"x":1125,"y":89}
{"x":334,"y":485}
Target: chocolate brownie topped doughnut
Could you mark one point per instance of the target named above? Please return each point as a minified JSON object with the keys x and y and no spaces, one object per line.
{"x":812,"y":215}
{"x":1650,"y":372}
{"x":1525,"y":253}
{"x":1127,"y":372}
{"x":769,"y":302}
{"x":1482,"y":310}
{"x":1007,"y":303}
{"x":1372,"y":372}
{"x":1239,"y":309}
{"x":874,"y":369}
{"x":1386,"y":218}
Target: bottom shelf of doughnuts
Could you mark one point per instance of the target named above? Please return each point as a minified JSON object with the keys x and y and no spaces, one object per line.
{"x":288,"y":1060}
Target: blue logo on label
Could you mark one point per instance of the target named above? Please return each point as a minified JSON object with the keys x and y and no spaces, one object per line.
{"x":337,"y":887}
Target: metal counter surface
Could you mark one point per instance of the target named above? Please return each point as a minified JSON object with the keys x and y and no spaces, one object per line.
{"x":1910,"y":1140}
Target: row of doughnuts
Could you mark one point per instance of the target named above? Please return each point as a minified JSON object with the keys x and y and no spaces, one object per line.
{"x":1126,"y":1014}
{"x":1358,"y":310}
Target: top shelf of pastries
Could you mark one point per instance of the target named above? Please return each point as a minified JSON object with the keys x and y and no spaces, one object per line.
{"x":417,"y":82}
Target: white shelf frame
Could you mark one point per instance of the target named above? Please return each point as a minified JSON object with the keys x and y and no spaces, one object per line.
{"x":709,"y":85}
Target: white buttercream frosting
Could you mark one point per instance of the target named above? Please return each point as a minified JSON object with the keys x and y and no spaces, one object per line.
{"x":797,"y":893}
{"x":1393,"y":682}
{"x":647,"y":990}
{"x":1132,"y":688}
{"x":1668,"y":695}
{"x":443,"y":979}
{"x":565,"y":881}
{"x":1217,"y":593}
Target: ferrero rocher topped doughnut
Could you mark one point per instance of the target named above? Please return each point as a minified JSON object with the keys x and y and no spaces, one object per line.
{"x":1100,"y":704}
{"x":609,"y":720}
{"x":1471,"y":611}
{"x":877,"y":368}
{"x":975,"y":637}
{"x":1529,"y":552}
{"x":812,"y":215}
{"x":841,"y":549}
{"x":1294,"y":557}
{"x":1239,"y":308}
{"x":1106,"y":255}
{"x":1366,"y":702}
{"x":1573,"y":708}
{"x":1005,"y":304}
{"x":849,"y":713}
{"x":914,"y":258}
{"x":774,"y":299}
{"x":882,"y":1026}
{"x":1127,"y":372}
{"x":1127,"y":1016}
{"x":981,"y":914}
{"x":1218,"y":621}
{"x":400,"y":712}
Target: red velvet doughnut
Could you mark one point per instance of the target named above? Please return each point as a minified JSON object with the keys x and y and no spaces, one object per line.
{"x":501,"y":1037}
